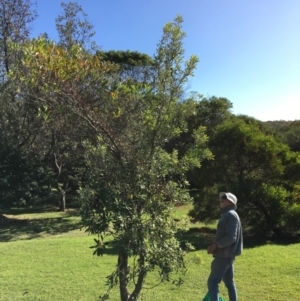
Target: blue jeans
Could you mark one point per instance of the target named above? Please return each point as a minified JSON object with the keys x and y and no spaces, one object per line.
{"x":221,"y":269}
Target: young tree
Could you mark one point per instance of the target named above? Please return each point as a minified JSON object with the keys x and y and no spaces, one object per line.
{"x":132,"y":183}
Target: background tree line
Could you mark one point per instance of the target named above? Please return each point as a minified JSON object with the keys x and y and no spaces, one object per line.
{"x":116,"y":134}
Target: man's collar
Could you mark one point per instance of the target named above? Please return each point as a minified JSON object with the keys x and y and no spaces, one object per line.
{"x":228,"y":208}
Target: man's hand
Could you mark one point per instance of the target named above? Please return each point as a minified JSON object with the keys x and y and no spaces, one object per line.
{"x":212,"y":248}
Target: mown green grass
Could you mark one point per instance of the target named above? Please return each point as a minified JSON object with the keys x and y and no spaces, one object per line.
{"x":45,"y":256}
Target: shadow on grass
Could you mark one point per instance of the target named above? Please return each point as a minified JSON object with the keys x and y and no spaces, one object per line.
{"x":28,"y":210}
{"x":15,"y":227}
{"x":202,"y":237}
{"x":36,"y":209}
{"x":252,"y":241}
{"x":19,"y":229}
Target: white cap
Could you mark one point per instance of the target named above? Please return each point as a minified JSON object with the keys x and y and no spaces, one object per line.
{"x":229,"y":196}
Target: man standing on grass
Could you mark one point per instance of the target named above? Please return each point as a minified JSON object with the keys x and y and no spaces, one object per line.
{"x":227,"y":244}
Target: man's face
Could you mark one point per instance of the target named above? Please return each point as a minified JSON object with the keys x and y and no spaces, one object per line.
{"x":224,"y":202}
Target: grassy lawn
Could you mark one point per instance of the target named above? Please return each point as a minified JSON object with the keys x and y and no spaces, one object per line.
{"x":45,"y":256}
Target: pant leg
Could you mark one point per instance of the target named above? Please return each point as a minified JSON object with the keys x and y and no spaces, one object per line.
{"x":228,"y":279}
{"x":219,"y":268}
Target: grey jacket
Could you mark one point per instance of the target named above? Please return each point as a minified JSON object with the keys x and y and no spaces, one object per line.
{"x":229,"y":236}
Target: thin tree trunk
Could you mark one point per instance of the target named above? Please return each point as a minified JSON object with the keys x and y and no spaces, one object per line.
{"x":123,"y":272}
{"x":140,"y":281}
{"x":63,"y":201}
{"x":63,"y":205}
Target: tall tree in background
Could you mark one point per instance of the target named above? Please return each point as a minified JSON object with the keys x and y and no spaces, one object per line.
{"x":287,"y":132}
{"x":132,"y":183}
{"x":209,"y":113}
{"x":22,"y":176}
{"x":73,"y":27}
{"x":64,"y":150}
{"x":132,"y":65}
{"x":260,"y":170}
{"x":15,"y":19}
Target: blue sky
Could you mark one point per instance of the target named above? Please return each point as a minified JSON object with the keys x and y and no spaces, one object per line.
{"x":249,"y":50}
